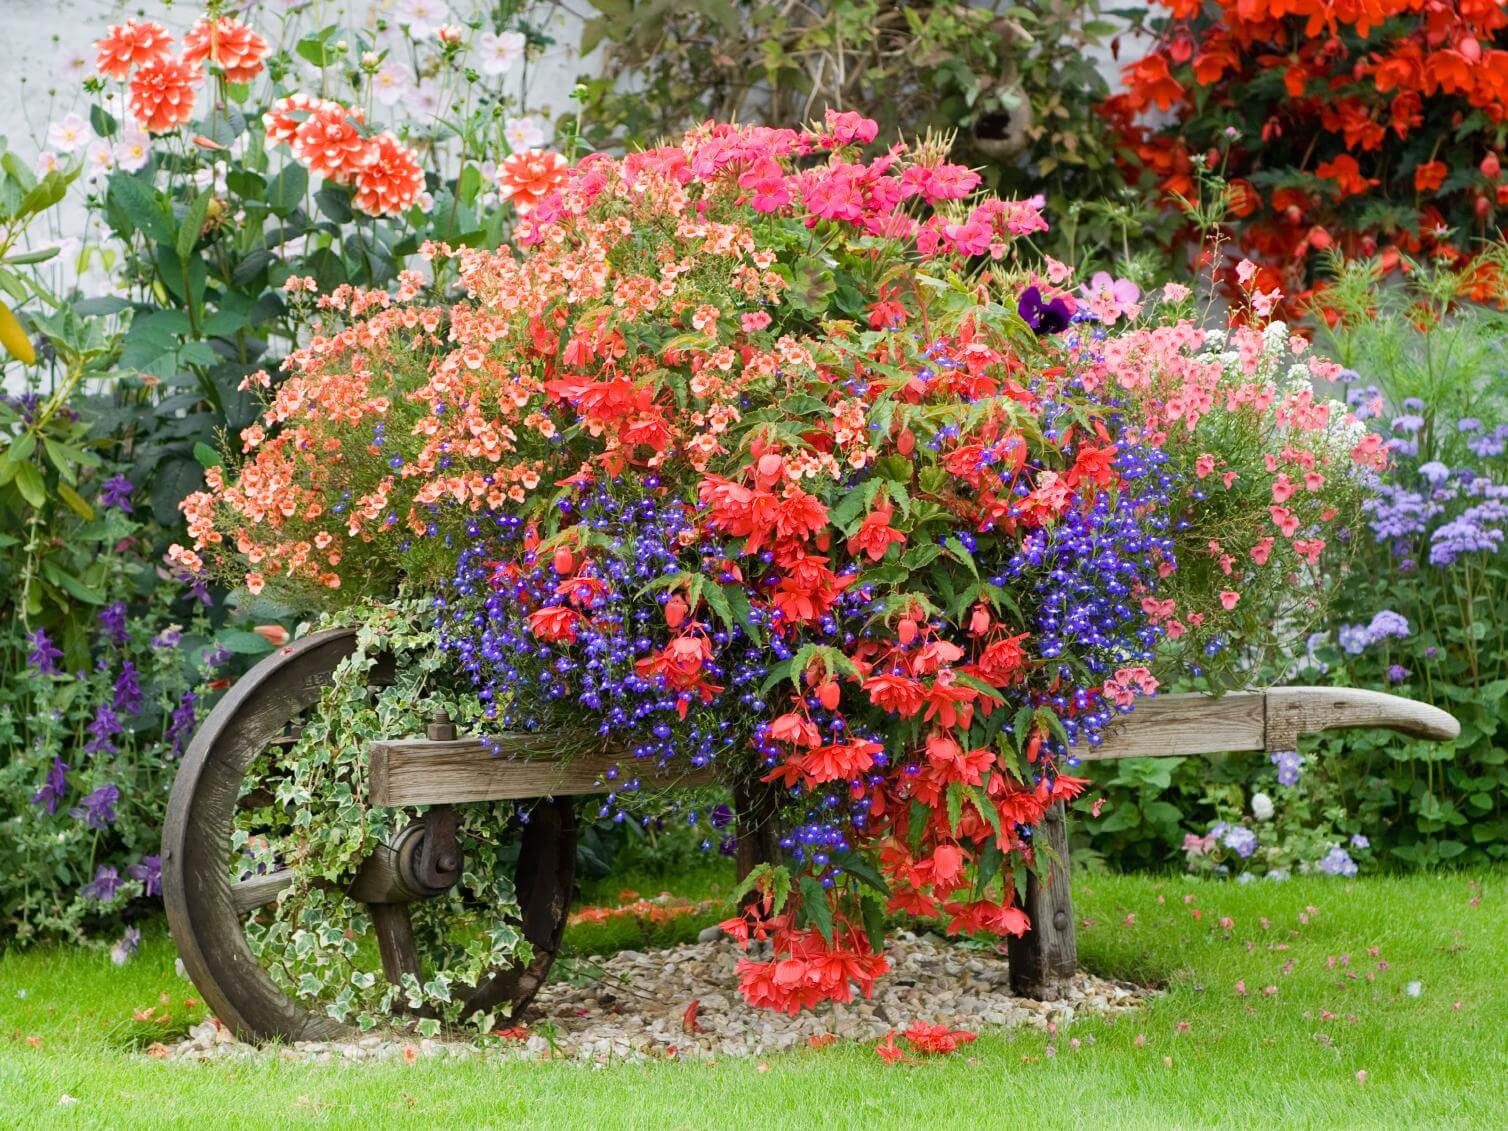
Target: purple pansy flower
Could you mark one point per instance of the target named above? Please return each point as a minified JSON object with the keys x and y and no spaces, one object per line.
{"x":104,"y":885}
{"x":1042,"y":316}
{"x":149,"y":873}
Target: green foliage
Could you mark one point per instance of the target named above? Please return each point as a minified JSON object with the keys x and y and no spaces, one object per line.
{"x":1016,"y":83}
{"x":1428,"y":370}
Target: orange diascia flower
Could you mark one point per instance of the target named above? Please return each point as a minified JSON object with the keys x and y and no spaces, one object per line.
{"x":162,"y":94}
{"x":131,"y":44}
{"x":229,"y":44}
{"x":391,"y":180}
{"x":527,"y":178}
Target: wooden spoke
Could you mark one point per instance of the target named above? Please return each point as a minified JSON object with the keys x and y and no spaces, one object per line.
{"x":231,"y":769}
{"x":395,"y":939}
{"x":258,"y":891}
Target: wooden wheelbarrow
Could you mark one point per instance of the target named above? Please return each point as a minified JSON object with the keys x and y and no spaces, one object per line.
{"x":223,"y":775}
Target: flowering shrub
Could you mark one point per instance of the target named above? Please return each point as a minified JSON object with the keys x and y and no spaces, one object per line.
{"x":1015,"y":84}
{"x":254,"y":147}
{"x":1416,"y":616}
{"x":750,"y":456}
{"x":1422,"y":616}
{"x":1361,"y":127}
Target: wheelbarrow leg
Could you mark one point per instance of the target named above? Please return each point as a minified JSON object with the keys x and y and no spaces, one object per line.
{"x":1047,"y":955}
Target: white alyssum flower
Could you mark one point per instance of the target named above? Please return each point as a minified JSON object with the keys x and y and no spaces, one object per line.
{"x":1261,"y":807}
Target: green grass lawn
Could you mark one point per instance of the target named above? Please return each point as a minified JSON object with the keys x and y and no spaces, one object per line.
{"x":1404,"y":981}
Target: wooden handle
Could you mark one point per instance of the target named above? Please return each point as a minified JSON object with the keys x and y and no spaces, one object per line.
{"x":1167,"y":726}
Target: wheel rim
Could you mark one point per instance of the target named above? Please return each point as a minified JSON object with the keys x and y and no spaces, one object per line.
{"x":207,"y":912}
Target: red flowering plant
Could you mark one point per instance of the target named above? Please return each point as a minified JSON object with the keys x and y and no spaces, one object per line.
{"x":1374,"y":126}
{"x":761,"y":455}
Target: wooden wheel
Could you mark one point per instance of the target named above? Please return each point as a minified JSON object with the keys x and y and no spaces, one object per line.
{"x":225,"y":770}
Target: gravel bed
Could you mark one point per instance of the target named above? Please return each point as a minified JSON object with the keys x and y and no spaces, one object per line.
{"x":632,"y":1006}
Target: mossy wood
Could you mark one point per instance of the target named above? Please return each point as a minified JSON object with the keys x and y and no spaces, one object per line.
{"x":207,"y":911}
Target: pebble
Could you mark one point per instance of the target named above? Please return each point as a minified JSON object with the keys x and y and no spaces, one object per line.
{"x":631,"y":1007}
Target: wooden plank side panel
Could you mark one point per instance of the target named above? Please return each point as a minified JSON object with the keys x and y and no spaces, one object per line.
{"x":421,"y":772}
{"x":1169,"y":725}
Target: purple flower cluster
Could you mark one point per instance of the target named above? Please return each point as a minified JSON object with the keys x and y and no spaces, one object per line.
{"x":98,"y":809}
{"x":44,"y":655}
{"x":1357,"y":638}
{"x":1289,"y":764}
{"x":1238,"y":838}
{"x":1337,"y":862}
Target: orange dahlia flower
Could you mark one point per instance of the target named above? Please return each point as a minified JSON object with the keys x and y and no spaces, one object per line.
{"x":391,"y":181}
{"x":527,"y":178}
{"x":286,"y":115}
{"x":131,"y":44}
{"x":227,"y":43}
{"x":162,"y":94}
{"x":330,"y":142}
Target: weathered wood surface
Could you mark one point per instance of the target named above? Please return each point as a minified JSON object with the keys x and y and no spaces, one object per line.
{"x":1292,"y":711}
{"x":1179,"y":725}
{"x":1047,"y":953}
{"x":421,"y":772}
